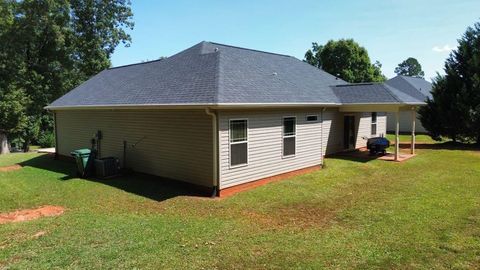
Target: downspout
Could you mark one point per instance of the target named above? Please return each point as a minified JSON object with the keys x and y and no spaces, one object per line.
{"x":215,"y":150}
{"x":321,"y":136}
{"x":56,"y":134}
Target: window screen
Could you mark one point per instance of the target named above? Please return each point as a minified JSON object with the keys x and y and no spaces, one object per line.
{"x":238,"y":142}
{"x":374,"y":123}
{"x":289,"y":136}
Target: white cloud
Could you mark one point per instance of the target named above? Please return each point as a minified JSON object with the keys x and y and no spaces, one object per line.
{"x":445,"y":48}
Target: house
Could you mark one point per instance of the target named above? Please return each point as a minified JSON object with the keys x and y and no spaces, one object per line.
{"x":219,"y":116}
{"x":416,"y":87}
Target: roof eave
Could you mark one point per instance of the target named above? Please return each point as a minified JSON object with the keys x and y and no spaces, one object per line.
{"x":190,"y":106}
{"x":221,"y":105}
{"x":385,"y":103}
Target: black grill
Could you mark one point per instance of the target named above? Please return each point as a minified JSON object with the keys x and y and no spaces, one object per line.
{"x":378,"y":145}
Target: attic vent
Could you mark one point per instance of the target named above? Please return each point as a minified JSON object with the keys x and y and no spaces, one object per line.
{"x":274,"y":74}
{"x":216,"y":49}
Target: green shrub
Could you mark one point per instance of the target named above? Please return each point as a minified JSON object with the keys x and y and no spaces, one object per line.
{"x":46,"y":139}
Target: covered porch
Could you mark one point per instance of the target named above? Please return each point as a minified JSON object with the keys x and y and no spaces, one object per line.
{"x":397,"y":155}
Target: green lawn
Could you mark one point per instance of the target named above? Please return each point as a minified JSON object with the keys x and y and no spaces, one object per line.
{"x":423,"y":213}
{"x":13,"y":158}
{"x":419,"y":138}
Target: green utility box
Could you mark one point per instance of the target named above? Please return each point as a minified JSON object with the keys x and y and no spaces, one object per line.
{"x":81,"y":158}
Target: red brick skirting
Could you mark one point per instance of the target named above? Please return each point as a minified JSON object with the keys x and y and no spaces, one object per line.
{"x":250,"y":185}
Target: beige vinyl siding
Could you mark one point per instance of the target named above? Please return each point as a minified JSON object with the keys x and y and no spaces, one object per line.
{"x":265,"y":145}
{"x":333,"y":129}
{"x":382,"y":124}
{"x":405,"y":121}
{"x":363,"y":123}
{"x":364,"y":127}
{"x":171,"y":143}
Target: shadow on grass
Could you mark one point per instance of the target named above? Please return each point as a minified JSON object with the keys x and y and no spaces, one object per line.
{"x":152,"y":187}
{"x":363,"y":156}
{"x":355,"y":156}
{"x":442,"y":146}
{"x":47,"y":162}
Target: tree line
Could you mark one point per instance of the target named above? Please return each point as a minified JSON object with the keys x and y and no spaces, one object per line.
{"x":46,"y":49}
{"x":49,"y":47}
{"x":454,"y":109}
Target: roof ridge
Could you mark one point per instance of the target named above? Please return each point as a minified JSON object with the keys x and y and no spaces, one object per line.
{"x":357,"y":84}
{"x":410,"y":84}
{"x":408,"y":76}
{"x":243,"y":48}
{"x":217,"y":80}
{"x":139,"y":63}
{"x":387,"y":87}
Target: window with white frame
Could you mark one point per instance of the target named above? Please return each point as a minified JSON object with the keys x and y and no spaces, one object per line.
{"x":238,"y":142}
{"x":289,"y":136}
{"x":374,"y":123}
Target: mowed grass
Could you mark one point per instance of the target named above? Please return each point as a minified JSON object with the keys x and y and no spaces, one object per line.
{"x":419,"y":138}
{"x":423,"y":213}
{"x":11,"y":159}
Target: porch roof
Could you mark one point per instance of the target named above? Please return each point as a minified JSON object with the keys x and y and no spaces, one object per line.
{"x":373,"y":93}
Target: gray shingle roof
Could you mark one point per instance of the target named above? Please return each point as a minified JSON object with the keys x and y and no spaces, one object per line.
{"x":413,"y":86}
{"x":371,"y":93}
{"x":247,"y":76}
{"x":216,"y":74}
{"x":187,"y":77}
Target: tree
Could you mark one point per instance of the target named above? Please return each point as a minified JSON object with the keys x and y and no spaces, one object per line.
{"x":99,"y":26}
{"x":376,"y":70}
{"x":346,"y":59}
{"x":48,"y":47}
{"x":313,"y":56}
{"x":444,"y":115}
{"x":13,"y":118}
{"x":410,"y":67}
{"x":464,"y":66}
{"x":454,"y":111}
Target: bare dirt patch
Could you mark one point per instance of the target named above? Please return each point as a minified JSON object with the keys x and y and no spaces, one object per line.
{"x":10,"y":168}
{"x":31,"y":214}
{"x":307,"y":216}
{"x":299,"y":216}
{"x":323,"y":214}
{"x":476,"y":153}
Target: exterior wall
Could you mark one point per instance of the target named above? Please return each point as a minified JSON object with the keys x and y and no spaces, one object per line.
{"x":364,"y":127}
{"x":265,"y":145}
{"x":333,"y":129}
{"x":382,"y":124}
{"x":178,"y":144}
{"x":405,"y":121}
{"x":173,"y":144}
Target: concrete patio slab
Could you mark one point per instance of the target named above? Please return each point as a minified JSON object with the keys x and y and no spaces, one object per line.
{"x":391,"y":157}
{"x":46,"y":150}
{"x":363,"y":153}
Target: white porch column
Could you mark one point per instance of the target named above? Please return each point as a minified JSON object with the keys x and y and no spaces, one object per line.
{"x":412,"y":143}
{"x":397,"y":139}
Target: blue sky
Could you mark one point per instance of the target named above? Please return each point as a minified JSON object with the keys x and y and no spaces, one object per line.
{"x":390,"y":30}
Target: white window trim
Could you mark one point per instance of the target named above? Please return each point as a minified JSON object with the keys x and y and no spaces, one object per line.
{"x":289,"y":136}
{"x":374,"y":123}
{"x":230,"y":143}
